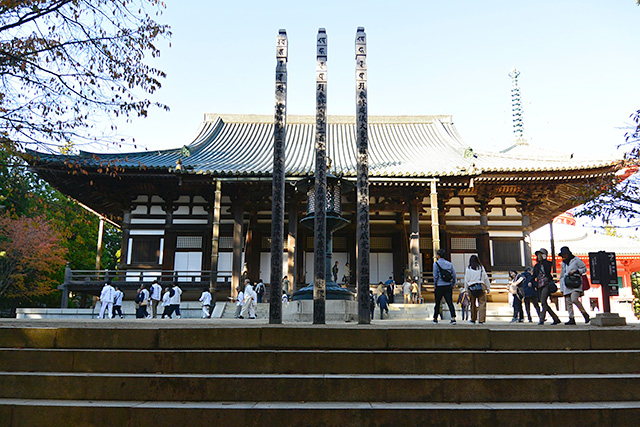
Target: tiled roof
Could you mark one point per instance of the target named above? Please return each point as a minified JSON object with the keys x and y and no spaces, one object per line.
{"x":399,"y":146}
{"x":582,"y":240}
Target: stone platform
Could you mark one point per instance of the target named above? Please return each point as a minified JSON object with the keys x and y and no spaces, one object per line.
{"x":239,"y":372}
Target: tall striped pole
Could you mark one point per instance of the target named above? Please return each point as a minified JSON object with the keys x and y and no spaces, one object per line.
{"x":277,"y":201}
{"x":362,"y":190}
{"x":320,"y":213}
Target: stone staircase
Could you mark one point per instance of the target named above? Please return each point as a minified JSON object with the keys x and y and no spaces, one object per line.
{"x":335,"y":375}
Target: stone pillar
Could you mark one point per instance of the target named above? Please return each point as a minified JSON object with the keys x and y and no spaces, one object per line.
{"x":292,"y":249}
{"x":362,"y":208}
{"x":414,"y":240}
{"x":320,"y":214}
{"x":215,"y":238}
{"x":277,"y":200}
{"x":236,"y":260}
{"x":100,"y":243}
{"x":435,"y":224}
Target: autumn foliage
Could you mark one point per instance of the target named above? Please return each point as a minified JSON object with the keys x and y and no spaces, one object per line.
{"x":30,"y":254}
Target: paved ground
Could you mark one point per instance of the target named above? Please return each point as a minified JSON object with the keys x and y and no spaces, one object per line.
{"x":198,"y":323}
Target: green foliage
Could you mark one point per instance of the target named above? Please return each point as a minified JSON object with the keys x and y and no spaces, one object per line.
{"x":68,"y":64}
{"x":635,"y":286}
{"x":24,"y":195}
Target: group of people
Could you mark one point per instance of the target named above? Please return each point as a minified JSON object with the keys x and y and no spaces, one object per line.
{"x":531,"y":287}
{"x":151,"y":296}
{"x":247,"y":300}
{"x":346,"y":275}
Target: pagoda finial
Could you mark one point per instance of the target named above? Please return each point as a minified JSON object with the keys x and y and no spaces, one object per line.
{"x":516,"y":106}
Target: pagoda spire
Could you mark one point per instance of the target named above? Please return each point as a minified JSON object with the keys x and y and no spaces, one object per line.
{"x":516,"y":107}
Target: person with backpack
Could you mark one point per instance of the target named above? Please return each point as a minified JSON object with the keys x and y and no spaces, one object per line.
{"x":530,"y":293}
{"x":117,"y":303}
{"x":444,"y":277}
{"x":476,"y":283}
{"x":545,"y":284}
{"x":260,"y":290}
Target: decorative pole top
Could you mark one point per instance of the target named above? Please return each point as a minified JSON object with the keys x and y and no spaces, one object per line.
{"x":516,"y":107}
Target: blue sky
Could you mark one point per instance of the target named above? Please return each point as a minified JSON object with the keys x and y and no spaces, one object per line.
{"x":578,"y":60}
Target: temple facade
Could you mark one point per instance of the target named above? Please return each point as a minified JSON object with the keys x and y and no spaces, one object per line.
{"x":206,"y":207}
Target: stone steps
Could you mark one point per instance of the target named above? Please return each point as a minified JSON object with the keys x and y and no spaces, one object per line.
{"x":338,"y":414}
{"x":141,"y":373}
{"x":414,"y":362}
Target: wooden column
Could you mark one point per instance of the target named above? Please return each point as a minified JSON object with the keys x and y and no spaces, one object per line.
{"x":320,"y":213}
{"x":124,"y":252}
{"x":236,"y":261}
{"x":435,"y":223}
{"x":362,"y":209}
{"x":292,"y":249}
{"x":526,"y":227}
{"x":414,"y":240}
{"x":215,"y":237}
{"x":277,"y":198}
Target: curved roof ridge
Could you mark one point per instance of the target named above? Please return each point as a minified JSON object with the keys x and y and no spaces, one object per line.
{"x":311,"y":119}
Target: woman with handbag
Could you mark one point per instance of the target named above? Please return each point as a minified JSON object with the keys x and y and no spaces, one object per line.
{"x":546,"y":286}
{"x":476,"y":284}
{"x":571,"y":283}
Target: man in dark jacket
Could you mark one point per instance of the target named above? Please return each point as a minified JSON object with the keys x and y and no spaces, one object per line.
{"x":383,"y":302}
{"x":544,"y":282}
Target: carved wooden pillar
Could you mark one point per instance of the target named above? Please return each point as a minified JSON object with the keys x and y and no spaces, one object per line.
{"x":277,"y":199}
{"x":362,"y":206}
{"x":253,"y":247}
{"x":320,"y":214}
{"x":124,"y":253}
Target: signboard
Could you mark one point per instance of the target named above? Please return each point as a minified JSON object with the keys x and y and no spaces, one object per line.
{"x":603,"y":268}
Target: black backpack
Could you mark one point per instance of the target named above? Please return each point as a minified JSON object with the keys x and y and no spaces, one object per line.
{"x":446,"y":275}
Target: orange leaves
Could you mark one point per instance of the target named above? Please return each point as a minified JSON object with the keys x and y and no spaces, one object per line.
{"x":32,"y":254}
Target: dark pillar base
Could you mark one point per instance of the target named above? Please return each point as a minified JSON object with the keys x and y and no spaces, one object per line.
{"x":334,"y":292}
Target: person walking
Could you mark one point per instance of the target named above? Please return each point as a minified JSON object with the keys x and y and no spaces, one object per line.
{"x":117,"y":303}
{"x":530,"y":293}
{"x":250,"y":300}
{"x":260,"y":290}
{"x":205,"y":299}
{"x":390,"y":288}
{"x":406,"y":290}
{"x":106,"y":300}
{"x":155,"y":295}
{"x":414,"y":291}
{"x":383,"y":302}
{"x":444,"y":277}
{"x":174,"y":300}
{"x":464,"y":302}
{"x":166,"y":303}
{"x":515,"y":289}
{"x":571,"y":271}
{"x":239,"y":302}
{"x":346,"y":277}
{"x":476,"y":283}
{"x":544,"y":282}
{"x":334,"y":272}
{"x":372,"y":303}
